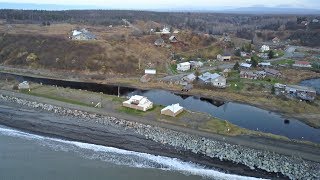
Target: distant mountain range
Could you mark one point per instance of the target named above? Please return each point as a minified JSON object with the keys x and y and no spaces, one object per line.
{"x":283,"y":9}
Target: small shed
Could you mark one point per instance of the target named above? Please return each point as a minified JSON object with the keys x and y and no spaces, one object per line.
{"x":172,"y":110}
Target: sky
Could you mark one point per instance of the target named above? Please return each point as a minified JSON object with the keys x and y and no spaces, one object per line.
{"x":174,"y":4}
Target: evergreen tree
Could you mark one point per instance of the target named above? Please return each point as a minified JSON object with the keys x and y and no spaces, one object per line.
{"x":236,"y":66}
{"x":271,"y":54}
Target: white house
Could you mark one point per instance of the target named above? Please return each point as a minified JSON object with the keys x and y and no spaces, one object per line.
{"x":185,"y":66}
{"x":172,"y":110}
{"x":150,"y":71}
{"x":315,"y":20}
{"x":139,"y":103}
{"x":165,"y":30}
{"x":264,"y":48}
{"x":24,"y":85}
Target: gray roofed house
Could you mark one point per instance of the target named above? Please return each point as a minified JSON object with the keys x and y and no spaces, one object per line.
{"x":301,"y":92}
{"x":189,"y":78}
{"x":214,"y":79}
{"x":159,"y":42}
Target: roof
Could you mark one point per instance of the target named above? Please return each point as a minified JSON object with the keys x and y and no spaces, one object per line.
{"x":206,"y":76}
{"x":302,"y":62}
{"x":159,"y":41}
{"x":250,"y":73}
{"x":301,"y":88}
{"x":172,"y":38}
{"x":245,"y":65}
{"x":271,"y":71}
{"x":150,"y":71}
{"x":174,"y":108}
{"x":185,"y":64}
{"x":265,"y":64}
{"x":191,"y":76}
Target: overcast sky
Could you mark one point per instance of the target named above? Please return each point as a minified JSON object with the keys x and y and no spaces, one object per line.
{"x":170,"y":4}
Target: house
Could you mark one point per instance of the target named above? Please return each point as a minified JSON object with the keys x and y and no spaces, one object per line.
{"x":139,"y":103}
{"x":224,"y":57}
{"x":301,"y":92}
{"x":263,"y":55}
{"x":272,"y":72}
{"x":215,"y":79}
{"x":82,"y":34}
{"x":159,"y":42}
{"x":264,"y":64}
{"x":261,"y":74}
{"x":150,"y":71}
{"x":24,"y":85}
{"x":189,"y":78}
{"x":248,"y":75}
{"x":264,"y":48}
{"x":173,"y":39}
{"x":245,"y":65}
{"x":172,"y":110}
{"x":196,"y":64}
{"x":302,"y":64}
{"x":185,"y":66}
{"x":315,"y":20}
{"x":244,"y":54}
{"x":276,"y":40}
{"x":165,"y":30}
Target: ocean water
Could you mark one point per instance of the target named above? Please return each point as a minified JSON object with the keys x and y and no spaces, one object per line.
{"x":28,"y":156}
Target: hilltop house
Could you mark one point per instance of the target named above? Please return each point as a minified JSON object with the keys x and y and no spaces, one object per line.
{"x":24,"y":85}
{"x":215,"y":79}
{"x":172,"y":110}
{"x":173,"y":39}
{"x":139,"y":103}
{"x":185,"y":66}
{"x":224,"y":57}
{"x":82,"y":34}
{"x":165,"y":30}
{"x":302,"y":64}
{"x":264,"y":48}
{"x":159,"y":42}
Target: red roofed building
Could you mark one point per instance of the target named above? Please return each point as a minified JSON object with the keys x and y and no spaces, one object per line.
{"x":304,"y":64}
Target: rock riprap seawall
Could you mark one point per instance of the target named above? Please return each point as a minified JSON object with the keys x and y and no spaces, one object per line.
{"x":293,"y":167}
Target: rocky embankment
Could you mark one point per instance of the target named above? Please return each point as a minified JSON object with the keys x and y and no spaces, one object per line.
{"x":293,"y":167}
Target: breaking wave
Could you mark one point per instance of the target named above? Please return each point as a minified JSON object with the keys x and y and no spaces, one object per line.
{"x":122,"y":157}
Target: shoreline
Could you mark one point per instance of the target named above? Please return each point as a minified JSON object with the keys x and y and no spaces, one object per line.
{"x":202,"y":156}
{"x":301,"y":117}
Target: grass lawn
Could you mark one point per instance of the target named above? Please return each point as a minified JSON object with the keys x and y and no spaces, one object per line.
{"x":284,"y":62}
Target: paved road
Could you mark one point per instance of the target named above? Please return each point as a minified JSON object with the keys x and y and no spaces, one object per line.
{"x":177,"y":77}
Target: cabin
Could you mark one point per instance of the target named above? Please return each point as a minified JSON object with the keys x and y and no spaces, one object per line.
{"x":139,"y":103}
{"x":224,"y":57}
{"x":173,"y":39}
{"x":272,"y":72}
{"x":196,"y":64}
{"x":185,"y":66}
{"x":24,"y":86}
{"x":248,"y":75}
{"x":172,"y":110}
